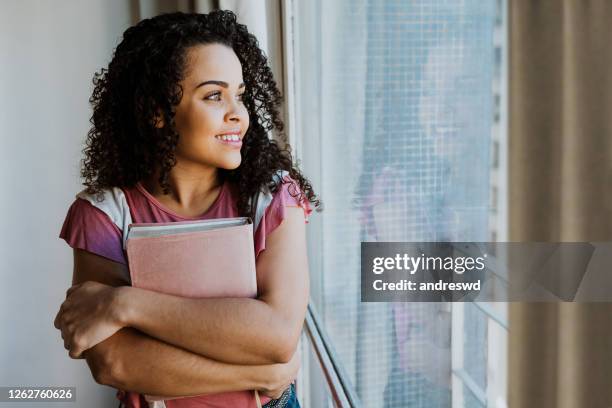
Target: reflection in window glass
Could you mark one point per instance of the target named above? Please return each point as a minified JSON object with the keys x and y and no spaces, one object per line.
{"x":395,"y":110}
{"x":474,"y":345}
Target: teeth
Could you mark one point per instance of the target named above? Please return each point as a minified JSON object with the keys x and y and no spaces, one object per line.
{"x":228,"y":138}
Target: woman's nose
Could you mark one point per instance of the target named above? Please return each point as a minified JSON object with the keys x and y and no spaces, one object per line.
{"x":233,"y":112}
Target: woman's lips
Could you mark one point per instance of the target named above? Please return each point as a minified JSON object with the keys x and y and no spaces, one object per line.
{"x":234,"y":142}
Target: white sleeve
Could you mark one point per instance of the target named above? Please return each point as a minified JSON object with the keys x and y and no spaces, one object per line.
{"x":114,"y":204}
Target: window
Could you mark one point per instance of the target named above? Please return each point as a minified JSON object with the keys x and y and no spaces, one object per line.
{"x":399,"y":108}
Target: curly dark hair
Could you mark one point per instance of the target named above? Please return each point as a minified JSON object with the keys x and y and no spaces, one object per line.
{"x":142,"y":84}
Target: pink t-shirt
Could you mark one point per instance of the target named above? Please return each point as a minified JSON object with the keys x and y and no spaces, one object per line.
{"x":89,"y":228}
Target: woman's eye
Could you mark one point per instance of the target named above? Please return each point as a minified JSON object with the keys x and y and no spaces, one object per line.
{"x":215,"y":96}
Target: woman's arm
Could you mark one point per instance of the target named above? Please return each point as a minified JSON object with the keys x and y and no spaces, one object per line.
{"x":128,"y":359}
{"x":236,"y":330}
{"x":132,"y":361}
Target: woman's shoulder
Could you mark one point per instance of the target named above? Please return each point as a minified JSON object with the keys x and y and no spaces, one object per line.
{"x":290,"y":194}
{"x":96,"y":223}
{"x":284,"y":192}
{"x":112,"y":202}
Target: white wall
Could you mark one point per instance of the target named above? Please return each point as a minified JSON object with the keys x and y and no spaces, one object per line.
{"x":49,"y":51}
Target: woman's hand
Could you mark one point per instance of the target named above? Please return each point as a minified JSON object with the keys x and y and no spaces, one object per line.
{"x":282,"y":377}
{"x":88,"y":316}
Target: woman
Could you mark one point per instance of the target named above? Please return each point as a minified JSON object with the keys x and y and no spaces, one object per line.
{"x":180,"y":131}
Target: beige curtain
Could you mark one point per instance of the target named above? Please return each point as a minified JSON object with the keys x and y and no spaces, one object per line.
{"x":560,"y":189}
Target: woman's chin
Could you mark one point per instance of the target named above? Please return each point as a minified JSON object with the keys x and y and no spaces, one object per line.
{"x":230,"y":164}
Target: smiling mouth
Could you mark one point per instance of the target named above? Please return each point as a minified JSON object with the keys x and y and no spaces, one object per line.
{"x":231,"y":140}
{"x":228,"y":137}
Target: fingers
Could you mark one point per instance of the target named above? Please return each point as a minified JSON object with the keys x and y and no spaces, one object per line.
{"x":75,"y":354}
{"x":72,"y":342}
{"x":77,"y":347}
{"x":56,"y":322}
{"x":67,"y":341}
{"x":61,"y":322}
{"x":73,"y":350}
{"x":60,"y":317}
{"x":65,"y":330}
{"x":72,"y":289}
{"x":63,"y":307}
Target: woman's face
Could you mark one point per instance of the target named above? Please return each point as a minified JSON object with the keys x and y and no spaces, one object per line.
{"x":211,"y":119}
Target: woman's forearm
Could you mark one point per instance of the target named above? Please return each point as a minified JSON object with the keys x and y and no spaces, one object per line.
{"x":237,"y":330}
{"x":231,"y":330}
{"x":133,"y":361}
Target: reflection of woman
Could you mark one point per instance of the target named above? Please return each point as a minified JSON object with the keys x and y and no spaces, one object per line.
{"x":420,"y":353}
{"x":411,"y":199}
{"x":180,"y":131}
{"x":428,"y":193}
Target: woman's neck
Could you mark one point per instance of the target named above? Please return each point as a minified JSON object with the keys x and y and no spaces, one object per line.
{"x":191,"y":193}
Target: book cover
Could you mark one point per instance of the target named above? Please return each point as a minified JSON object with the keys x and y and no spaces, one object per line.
{"x":197,"y":259}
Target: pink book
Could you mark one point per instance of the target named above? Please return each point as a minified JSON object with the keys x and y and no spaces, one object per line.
{"x":210,"y":258}
{"x":197,"y":259}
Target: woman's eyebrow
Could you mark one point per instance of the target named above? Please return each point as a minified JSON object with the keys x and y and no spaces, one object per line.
{"x":220,"y":83}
